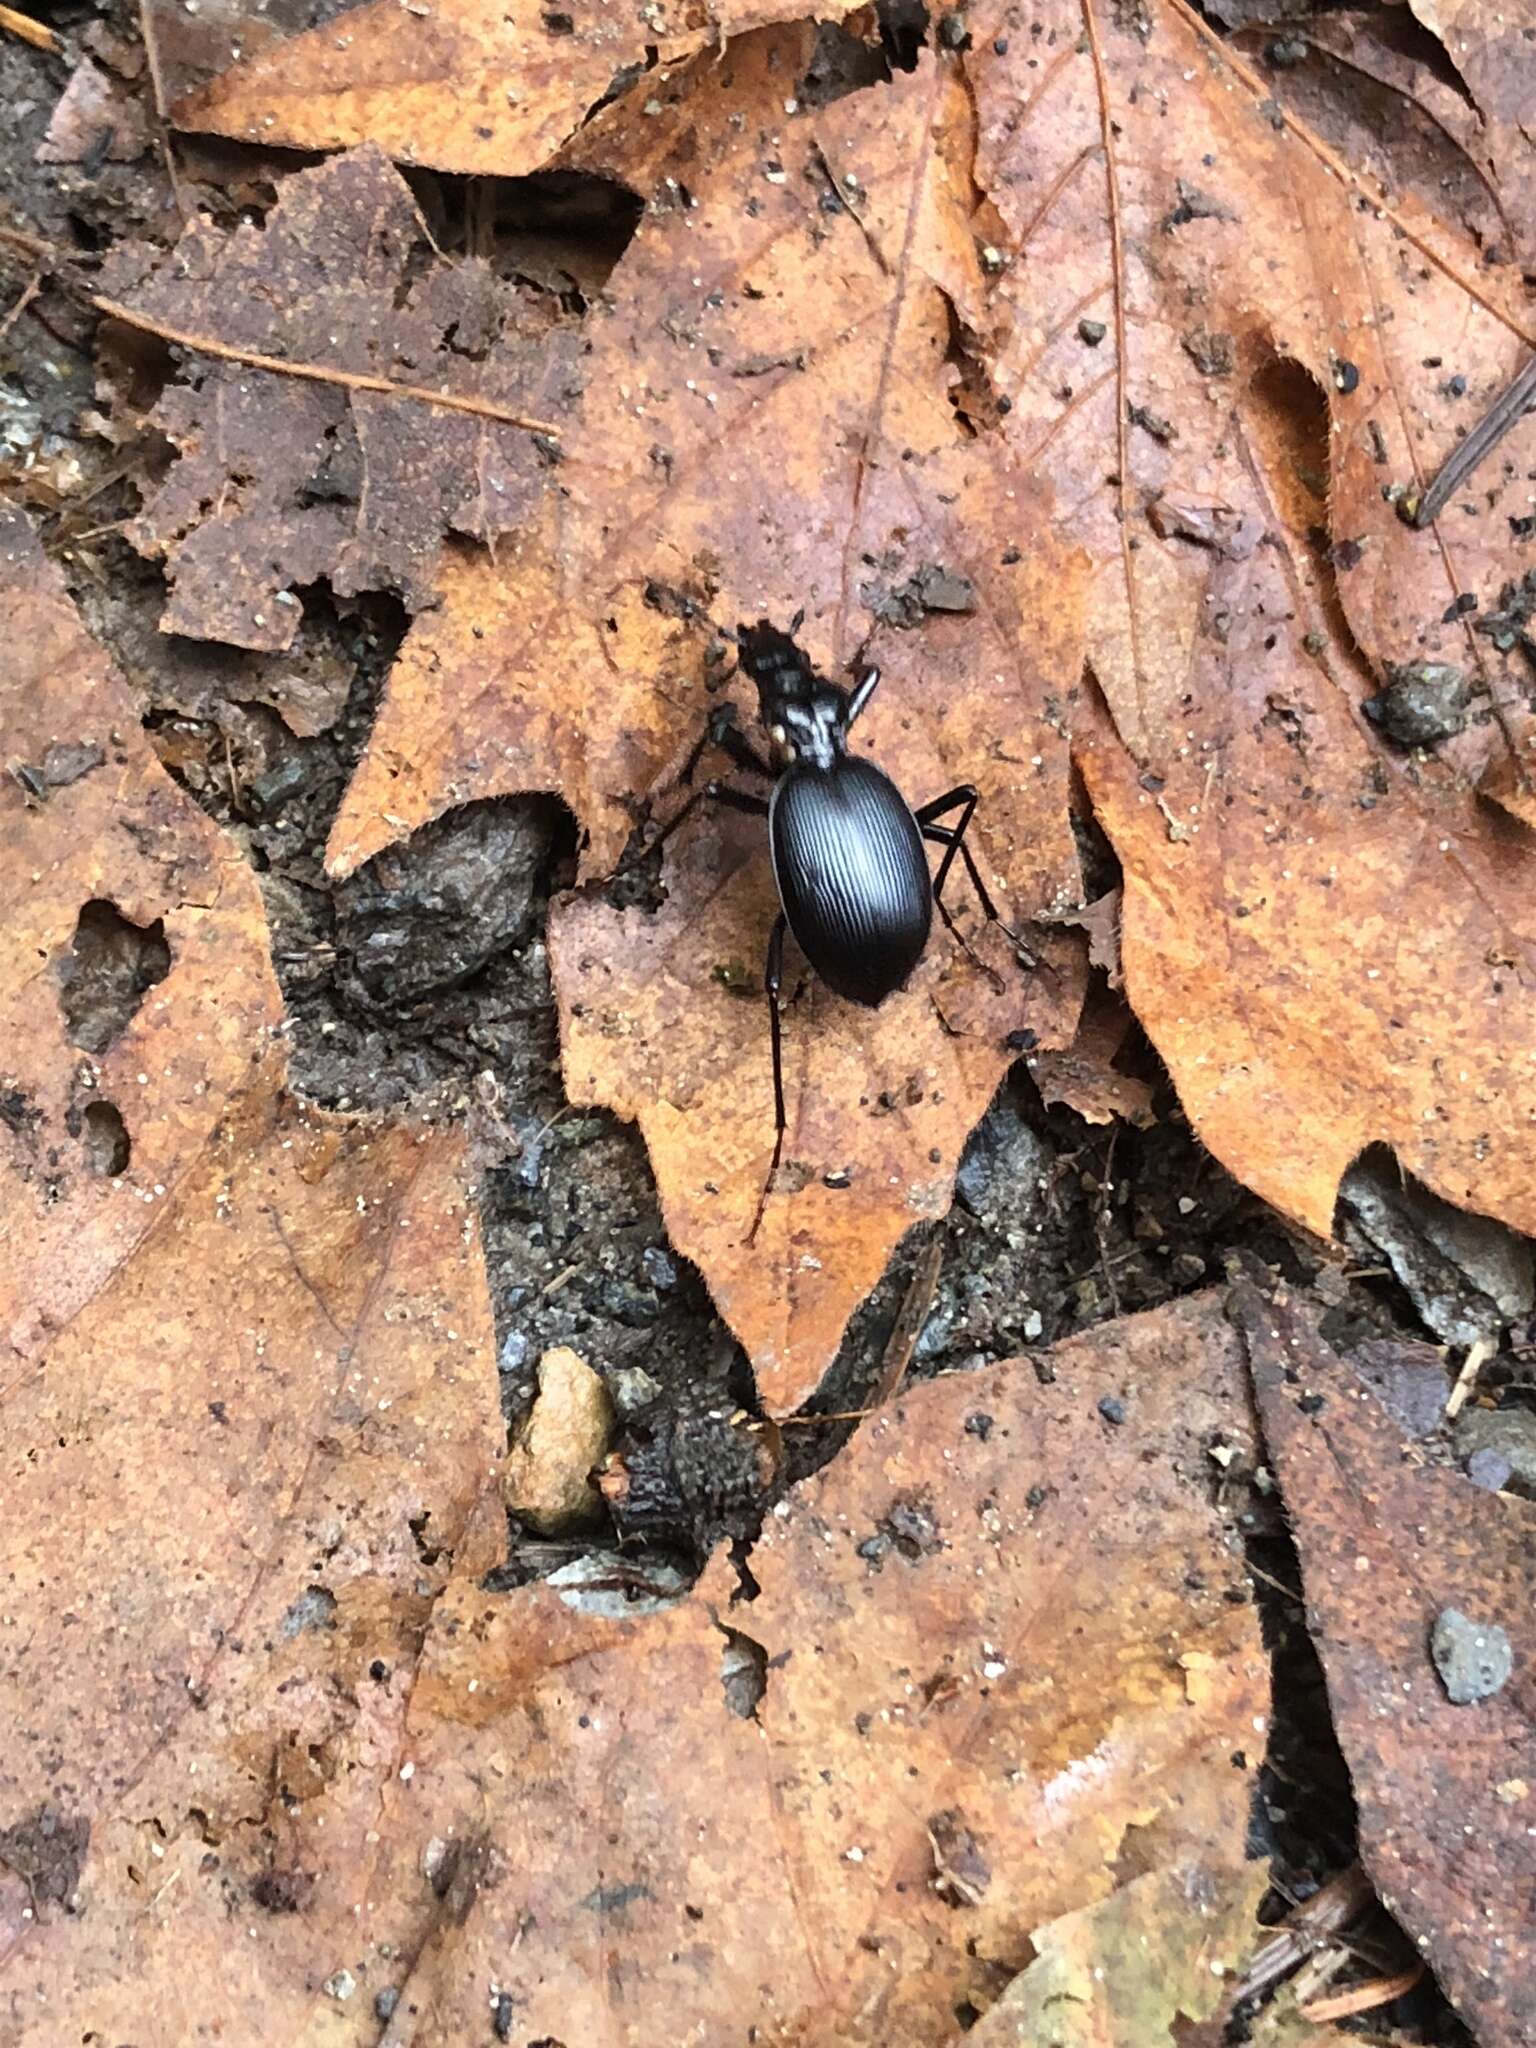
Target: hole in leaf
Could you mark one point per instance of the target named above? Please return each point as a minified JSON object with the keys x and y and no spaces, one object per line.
{"x":106,"y":1141}
{"x":743,"y":1673}
{"x":107,"y":973}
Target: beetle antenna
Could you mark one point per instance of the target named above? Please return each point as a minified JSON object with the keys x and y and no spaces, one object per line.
{"x":863,"y":690}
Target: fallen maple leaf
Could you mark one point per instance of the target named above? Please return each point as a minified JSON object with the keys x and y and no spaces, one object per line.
{"x":282,"y":480}
{"x":248,"y":1406}
{"x":1328,"y":939}
{"x":935,"y":1763}
{"x":487,"y":87}
{"x":729,"y":326}
{"x":1387,"y":1543}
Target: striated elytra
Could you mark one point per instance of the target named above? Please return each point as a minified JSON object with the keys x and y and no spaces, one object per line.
{"x":847,"y":848}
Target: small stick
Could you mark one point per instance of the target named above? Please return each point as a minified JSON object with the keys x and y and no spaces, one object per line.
{"x":1478,"y":1354}
{"x":151,"y":42}
{"x":1361,"y":1997}
{"x":29,"y":293}
{"x":318,"y":373}
{"x":1511,"y":405}
{"x":37,"y":33}
{"x":908,"y":1326}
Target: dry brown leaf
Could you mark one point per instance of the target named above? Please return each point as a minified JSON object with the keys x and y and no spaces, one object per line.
{"x":1328,"y":941}
{"x":488,"y":87}
{"x":119,"y":892}
{"x":758,"y":304}
{"x":939,"y":1760}
{"x":280,"y":482}
{"x":1387,"y":1543}
{"x":1206,"y":239}
{"x":249,"y":1403}
{"x":659,"y":1027}
{"x":1144,"y":1967}
{"x":1085,"y":1074}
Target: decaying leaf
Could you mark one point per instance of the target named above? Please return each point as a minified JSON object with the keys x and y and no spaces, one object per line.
{"x":94,"y":118}
{"x":1388,"y":1544}
{"x":1138,"y":1969}
{"x":487,"y":87}
{"x":249,"y":1404}
{"x":136,"y":995}
{"x":282,"y":481}
{"x":936,"y":1762}
{"x":559,"y":666}
{"x":1256,"y":351}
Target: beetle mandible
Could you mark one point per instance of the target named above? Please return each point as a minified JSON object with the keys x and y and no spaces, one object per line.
{"x":847,"y":848}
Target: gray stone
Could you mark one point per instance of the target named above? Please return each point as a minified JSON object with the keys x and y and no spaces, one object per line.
{"x":1507,"y":1433}
{"x":1473,"y":1658}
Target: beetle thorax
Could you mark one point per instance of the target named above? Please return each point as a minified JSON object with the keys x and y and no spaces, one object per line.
{"x":810,"y":731}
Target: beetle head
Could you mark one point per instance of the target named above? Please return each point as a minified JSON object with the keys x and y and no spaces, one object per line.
{"x":805,"y":716}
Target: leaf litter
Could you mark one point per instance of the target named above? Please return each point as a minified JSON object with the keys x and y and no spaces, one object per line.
{"x":1237,"y":498}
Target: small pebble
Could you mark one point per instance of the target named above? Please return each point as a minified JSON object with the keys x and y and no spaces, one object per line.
{"x":1473,"y":1658}
{"x":660,"y":1268}
{"x":384,"y":2002}
{"x":1112,"y":1410}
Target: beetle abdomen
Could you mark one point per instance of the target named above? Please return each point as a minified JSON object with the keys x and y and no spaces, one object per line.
{"x":853,"y":876}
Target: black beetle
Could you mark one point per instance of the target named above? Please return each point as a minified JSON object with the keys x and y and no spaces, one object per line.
{"x":848,"y":859}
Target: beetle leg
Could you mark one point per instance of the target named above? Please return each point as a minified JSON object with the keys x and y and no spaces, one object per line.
{"x":773,"y":981}
{"x":733,"y":741}
{"x":723,"y":732}
{"x":712,"y":792}
{"x":952,"y":839}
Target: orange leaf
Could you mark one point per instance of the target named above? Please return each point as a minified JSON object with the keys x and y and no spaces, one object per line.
{"x":487,"y":87}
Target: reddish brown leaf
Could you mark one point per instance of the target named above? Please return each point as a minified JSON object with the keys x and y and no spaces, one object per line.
{"x":1387,"y":1543}
{"x":248,"y":1406}
{"x":1491,"y":46}
{"x":122,"y":898}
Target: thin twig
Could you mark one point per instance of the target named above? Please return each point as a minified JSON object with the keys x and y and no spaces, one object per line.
{"x":1511,"y":406}
{"x":1479,"y":1351}
{"x":30,"y":291}
{"x":277,"y":366}
{"x":318,"y":373}
{"x":151,"y":43}
{"x":908,"y":1326}
{"x":1361,"y":1997}
{"x":37,"y":33}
